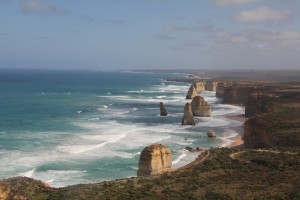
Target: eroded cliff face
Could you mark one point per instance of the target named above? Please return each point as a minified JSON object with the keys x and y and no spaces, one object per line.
{"x":211,"y":85}
{"x":188,"y":118}
{"x":200,"y":107}
{"x":258,"y":103}
{"x":220,"y":88}
{"x":278,"y":127}
{"x":199,"y":86}
{"x":155,"y":159}
{"x":237,"y":94}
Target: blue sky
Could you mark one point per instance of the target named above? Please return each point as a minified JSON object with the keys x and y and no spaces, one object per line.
{"x":150,"y":34}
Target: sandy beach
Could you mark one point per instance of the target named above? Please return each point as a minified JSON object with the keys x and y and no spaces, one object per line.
{"x":237,"y":140}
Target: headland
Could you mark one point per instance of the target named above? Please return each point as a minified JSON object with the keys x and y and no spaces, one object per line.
{"x":267,"y":166}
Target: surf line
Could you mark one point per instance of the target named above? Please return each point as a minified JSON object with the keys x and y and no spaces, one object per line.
{"x":102,"y":144}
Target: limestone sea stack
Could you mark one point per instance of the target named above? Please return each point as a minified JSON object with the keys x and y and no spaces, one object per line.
{"x":163,"y":110}
{"x":155,"y":159}
{"x":211,"y":85}
{"x":200,"y":107}
{"x":188,"y":118}
{"x":191,"y":93}
{"x":199,"y":86}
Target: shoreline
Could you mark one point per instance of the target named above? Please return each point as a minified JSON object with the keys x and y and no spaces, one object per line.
{"x":237,"y":141}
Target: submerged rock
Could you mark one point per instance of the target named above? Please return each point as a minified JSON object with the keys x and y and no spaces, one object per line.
{"x":211,"y":133}
{"x":188,"y":118}
{"x":200,"y":107}
{"x":155,"y":159}
{"x":163,"y":110}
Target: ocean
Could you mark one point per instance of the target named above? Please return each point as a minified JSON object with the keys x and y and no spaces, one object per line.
{"x":71,"y":127}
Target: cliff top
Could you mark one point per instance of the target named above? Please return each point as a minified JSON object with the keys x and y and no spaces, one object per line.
{"x":224,"y":174}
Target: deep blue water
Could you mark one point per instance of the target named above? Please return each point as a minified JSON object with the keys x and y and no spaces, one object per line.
{"x":69,"y":127}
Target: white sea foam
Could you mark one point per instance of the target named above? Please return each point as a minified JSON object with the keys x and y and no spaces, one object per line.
{"x":60,"y":178}
{"x":94,"y":119}
{"x":77,"y":149}
{"x":212,"y":122}
{"x":183,"y":154}
{"x":28,"y":174}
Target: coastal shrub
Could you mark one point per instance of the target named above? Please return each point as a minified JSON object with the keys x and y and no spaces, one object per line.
{"x":212,"y":195}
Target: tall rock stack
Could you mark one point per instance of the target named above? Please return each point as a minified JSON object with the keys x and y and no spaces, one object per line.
{"x":155,"y":159}
{"x":211,"y":85}
{"x":188,"y":118}
{"x":199,"y":86}
{"x":163,"y":110}
{"x":200,"y":107}
{"x":191,"y":93}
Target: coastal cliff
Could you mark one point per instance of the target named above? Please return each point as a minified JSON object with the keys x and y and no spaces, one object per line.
{"x":258,"y":102}
{"x":280,"y":127}
{"x":211,"y":85}
{"x":220,"y":173}
{"x":237,"y":94}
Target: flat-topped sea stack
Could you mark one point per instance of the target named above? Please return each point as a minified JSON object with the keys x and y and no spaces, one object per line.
{"x":199,"y":86}
{"x":155,"y":159}
{"x":163,"y":110}
{"x":211,"y":85}
{"x":200,"y":107}
{"x":188,"y":118}
{"x":191,"y":93}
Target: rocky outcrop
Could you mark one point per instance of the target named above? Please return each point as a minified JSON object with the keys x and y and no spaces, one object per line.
{"x":211,"y":85}
{"x":200,"y":107}
{"x":199,"y":86}
{"x":188,"y":118}
{"x":211,"y":133}
{"x":191,"y":93}
{"x":163,"y":110}
{"x":155,"y":159}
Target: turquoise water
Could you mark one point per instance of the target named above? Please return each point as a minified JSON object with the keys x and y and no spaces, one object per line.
{"x":70,"y":127}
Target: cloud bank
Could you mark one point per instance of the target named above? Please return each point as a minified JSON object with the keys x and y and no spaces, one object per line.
{"x":36,"y":7}
{"x":263,"y":15}
{"x":234,"y":2}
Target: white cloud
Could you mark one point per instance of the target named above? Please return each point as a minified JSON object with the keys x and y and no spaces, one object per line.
{"x":195,"y":28}
{"x":263,"y":15}
{"x":264,"y":41}
{"x":163,"y":37}
{"x":34,"y":6}
{"x":233,"y":2}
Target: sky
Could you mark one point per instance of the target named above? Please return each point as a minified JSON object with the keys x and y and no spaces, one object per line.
{"x":150,"y":34}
